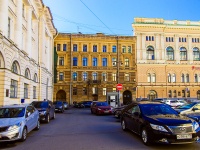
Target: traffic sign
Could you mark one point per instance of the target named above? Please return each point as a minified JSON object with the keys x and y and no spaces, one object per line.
{"x":119,"y":86}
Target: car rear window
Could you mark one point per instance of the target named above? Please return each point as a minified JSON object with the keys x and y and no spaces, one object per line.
{"x":12,"y":112}
{"x":102,"y":104}
{"x":40,"y":104}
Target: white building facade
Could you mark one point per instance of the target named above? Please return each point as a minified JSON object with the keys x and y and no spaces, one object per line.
{"x":26,"y":51}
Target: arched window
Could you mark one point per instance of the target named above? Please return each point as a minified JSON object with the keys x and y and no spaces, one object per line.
{"x":150,"y":53}
{"x":187,"y":78}
{"x":170,"y":53}
{"x":149,"y":77}
{"x":196,"y":54}
{"x":14,"y":68}
{"x":169,"y":78}
{"x":74,"y":76}
{"x":85,"y":61}
{"x":196,"y":78}
{"x":183,"y":53}
{"x":182,"y":78}
{"x":27,"y":73}
{"x":173,"y":78}
{"x":153,"y":77}
{"x":35,"y":78}
{"x":85,"y":76}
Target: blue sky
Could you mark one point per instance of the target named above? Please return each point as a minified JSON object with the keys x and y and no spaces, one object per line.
{"x":115,"y":17}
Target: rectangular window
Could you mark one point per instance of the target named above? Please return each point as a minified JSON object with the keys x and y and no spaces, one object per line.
{"x":64,"y":47}
{"x":104,"y":77}
{"x":123,"y":49}
{"x":74,"y":47}
{"x":9,"y":27}
{"x":104,"y":91}
{"x":114,"y":61}
{"x":94,"y":48}
{"x":85,"y":76}
{"x":74,"y":90}
{"x":94,"y":62}
{"x":127,"y":77}
{"x":104,"y":62}
{"x":104,"y":48}
{"x":84,"y":48}
{"x":126,"y":62}
{"x":58,"y":47}
{"x":129,"y":49}
{"x":75,"y":61}
{"x":61,"y":61}
{"x":61,"y":76}
{"x":114,"y":89}
{"x":13,"y":88}
{"x":34,"y":92}
{"x":114,"y":77}
{"x":114,"y":49}
{"x":85,"y":61}
{"x":25,"y":90}
{"x":94,"y":90}
{"x":84,"y":91}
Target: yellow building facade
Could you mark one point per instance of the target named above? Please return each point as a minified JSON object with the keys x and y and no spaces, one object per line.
{"x":93,"y":64}
{"x":168,"y":58}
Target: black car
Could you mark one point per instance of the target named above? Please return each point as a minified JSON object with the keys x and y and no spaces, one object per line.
{"x":83,"y":104}
{"x":59,"y":106}
{"x":158,"y":122}
{"x":118,"y":110}
{"x":46,"y":110}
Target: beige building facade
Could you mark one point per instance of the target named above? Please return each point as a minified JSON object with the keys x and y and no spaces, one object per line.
{"x":26,"y":51}
{"x":93,"y":64}
{"x":168,"y":58}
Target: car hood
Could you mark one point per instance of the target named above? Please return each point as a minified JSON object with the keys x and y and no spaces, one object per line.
{"x":169,"y":120}
{"x":10,"y":121}
{"x":104,"y":107}
{"x":179,"y":110}
{"x":41,"y":109}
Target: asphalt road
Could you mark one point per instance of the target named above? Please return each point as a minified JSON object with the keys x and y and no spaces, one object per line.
{"x":78,"y":129}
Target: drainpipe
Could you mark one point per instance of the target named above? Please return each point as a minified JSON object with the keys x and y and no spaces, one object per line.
{"x":70,"y":84}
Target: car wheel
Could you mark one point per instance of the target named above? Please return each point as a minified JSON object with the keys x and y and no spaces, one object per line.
{"x":47,"y":119}
{"x":24,"y":135}
{"x":38,"y":125}
{"x":145,"y":137}
{"x":54,"y":115}
{"x":123,"y":124}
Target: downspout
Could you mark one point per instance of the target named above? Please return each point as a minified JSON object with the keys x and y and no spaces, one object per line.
{"x":71,"y":60}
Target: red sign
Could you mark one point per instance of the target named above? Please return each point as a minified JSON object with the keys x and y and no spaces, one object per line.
{"x":119,"y":86}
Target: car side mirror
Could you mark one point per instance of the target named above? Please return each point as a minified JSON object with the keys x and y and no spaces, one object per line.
{"x":195,"y":109}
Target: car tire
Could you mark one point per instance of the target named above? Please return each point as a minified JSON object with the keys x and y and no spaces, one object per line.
{"x":145,"y":137}
{"x":24,"y":135}
{"x":38,"y":125}
{"x":47,"y":119}
{"x":54,"y":115}
{"x":123,"y":124}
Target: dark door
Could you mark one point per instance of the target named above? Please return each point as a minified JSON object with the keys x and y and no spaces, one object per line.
{"x":127,"y":97}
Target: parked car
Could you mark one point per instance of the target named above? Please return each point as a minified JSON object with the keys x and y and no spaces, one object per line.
{"x":46,"y":110}
{"x":195,"y":106}
{"x":16,"y":121}
{"x":83,"y":104}
{"x":161,"y":100}
{"x":193,"y":115}
{"x":181,"y":102}
{"x":172,"y":103}
{"x":99,"y":108}
{"x":158,"y":122}
{"x":117,"y":111}
{"x":59,"y":106}
{"x":66,"y":105}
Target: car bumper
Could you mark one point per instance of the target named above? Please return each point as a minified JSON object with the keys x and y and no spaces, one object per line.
{"x":42,"y":117}
{"x":58,"y":109}
{"x":169,"y":138}
{"x":10,"y":135}
{"x":102,"y":112}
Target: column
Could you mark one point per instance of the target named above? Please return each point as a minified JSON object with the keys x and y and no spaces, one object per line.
{"x":177,"y":51}
{"x":189,"y":49}
{"x":29,"y":31}
{"x":18,"y":29}
{"x":4,"y":17}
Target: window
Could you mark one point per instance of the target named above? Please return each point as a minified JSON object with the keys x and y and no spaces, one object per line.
{"x":25,"y":90}
{"x":183,"y":53}
{"x":34,"y":92}
{"x":114,"y":49}
{"x":129,"y":49}
{"x":61,"y":76}
{"x":150,"y":53}
{"x":114,"y":89}
{"x":170,"y":53}
{"x":75,"y":61}
{"x":183,"y":93}
{"x":104,"y":62}
{"x":85,"y":76}
{"x":94,"y":48}
{"x":94,"y":61}
{"x":75,"y":47}
{"x":84,"y":48}
{"x":104,"y":76}
{"x":58,"y":47}
{"x":126,"y":77}
{"x":182,"y":78}
{"x":149,"y":77}
{"x":9,"y":27}
{"x":84,"y":91}
{"x":104,"y":48}
{"x":126,"y":61}
{"x":35,"y":77}
{"x":94,"y":90}
{"x":13,"y":88}
{"x":85,"y":61}
{"x":94,"y":76}
{"x":187,"y":78}
{"x":169,"y":78}
{"x":104,"y":91}
{"x":74,"y":90}
{"x":196,"y":78}
{"x":61,"y":61}
{"x":74,"y":76}
{"x":64,"y":47}
{"x":114,"y":77}
{"x":14,"y":67}
{"x":27,"y":73}
{"x":123,"y":49}
{"x":173,"y":78}
{"x":170,"y":94}
{"x":153,"y":77}
{"x":175,"y":95}
{"x":114,"y":61}
{"x":149,"y":38}
{"x":196,"y":54}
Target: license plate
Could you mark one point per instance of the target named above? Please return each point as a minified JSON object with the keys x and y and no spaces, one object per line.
{"x":184,"y":136}
{"x":106,"y":111}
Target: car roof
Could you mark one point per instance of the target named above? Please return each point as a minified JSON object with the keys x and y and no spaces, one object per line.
{"x":146,"y":102}
{"x":15,"y":106}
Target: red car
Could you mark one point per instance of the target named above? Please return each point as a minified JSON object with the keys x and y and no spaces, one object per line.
{"x":100,"y":108}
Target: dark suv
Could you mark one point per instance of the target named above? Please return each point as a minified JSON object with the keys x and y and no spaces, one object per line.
{"x":46,"y":110}
{"x":59,"y":106}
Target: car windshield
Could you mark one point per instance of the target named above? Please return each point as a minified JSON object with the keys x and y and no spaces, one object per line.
{"x":58,"y":103}
{"x":102,"y":104}
{"x":157,"y":109}
{"x":40,"y":104}
{"x":187,"y":106}
{"x":12,"y":112}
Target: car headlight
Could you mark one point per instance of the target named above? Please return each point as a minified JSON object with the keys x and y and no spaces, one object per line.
{"x":15,"y":127}
{"x":43,"y":112}
{"x":99,"y":108}
{"x":60,"y":107}
{"x":159,"y":128}
{"x":195,"y":125}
